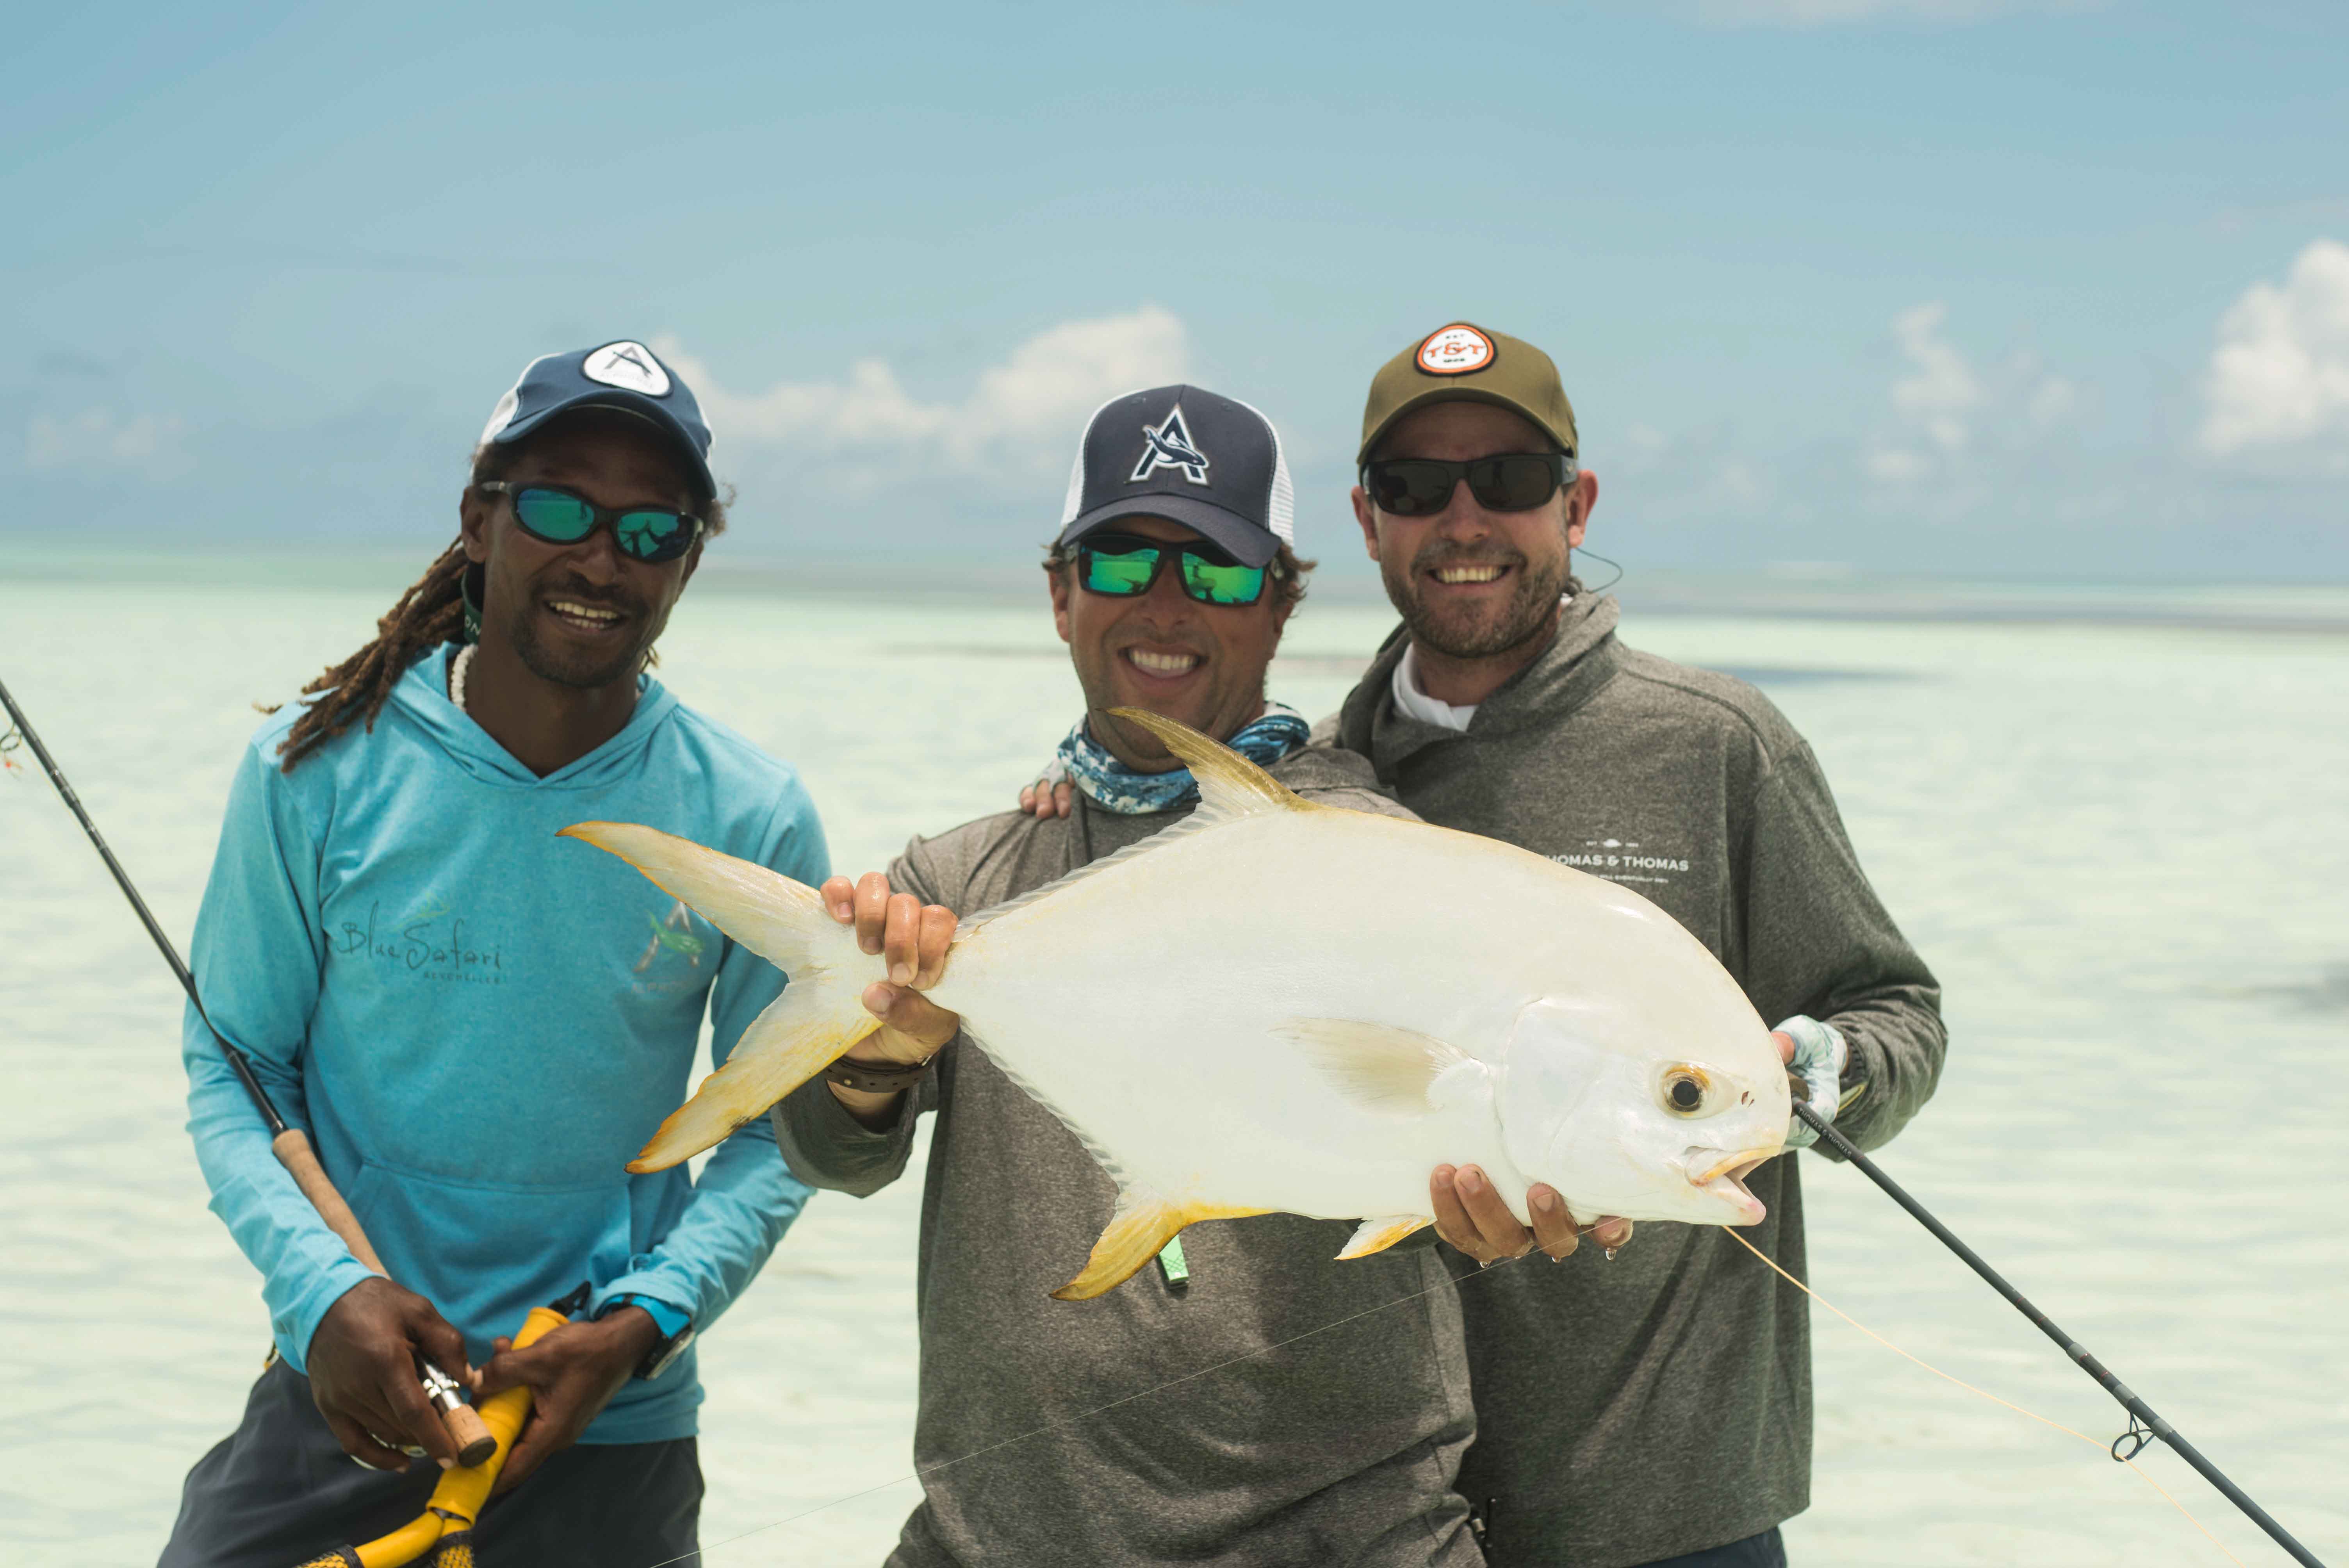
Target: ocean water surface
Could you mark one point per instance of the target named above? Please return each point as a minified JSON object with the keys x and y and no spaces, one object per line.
{"x":2124,"y":848}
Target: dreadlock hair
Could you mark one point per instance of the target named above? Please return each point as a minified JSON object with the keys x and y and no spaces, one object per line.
{"x":432,"y":612}
{"x":1288,"y":570}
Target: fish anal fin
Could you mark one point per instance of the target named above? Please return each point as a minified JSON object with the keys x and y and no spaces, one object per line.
{"x":1136,"y":1233}
{"x":1378,"y":1066}
{"x":1380,"y":1232}
{"x":1230,"y":784}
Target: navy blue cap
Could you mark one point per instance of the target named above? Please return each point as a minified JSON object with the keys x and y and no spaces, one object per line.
{"x":626,"y":375}
{"x":1211,"y":463}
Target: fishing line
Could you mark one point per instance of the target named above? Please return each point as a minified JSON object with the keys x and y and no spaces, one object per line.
{"x":1068,"y":1421}
{"x":2113,"y":1449}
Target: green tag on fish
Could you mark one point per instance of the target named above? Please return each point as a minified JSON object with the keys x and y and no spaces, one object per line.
{"x":1171,"y":1265}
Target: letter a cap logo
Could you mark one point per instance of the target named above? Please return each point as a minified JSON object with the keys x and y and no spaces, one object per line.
{"x":1169,"y":446}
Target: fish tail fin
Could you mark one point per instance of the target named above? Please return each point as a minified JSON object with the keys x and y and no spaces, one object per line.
{"x":1140,"y":1227}
{"x":819,"y":1015}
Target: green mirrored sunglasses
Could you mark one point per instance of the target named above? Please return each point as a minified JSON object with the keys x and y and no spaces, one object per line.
{"x":1124,"y":565}
{"x":565,"y":517}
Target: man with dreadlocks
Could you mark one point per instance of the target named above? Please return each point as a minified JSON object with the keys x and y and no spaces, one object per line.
{"x":395,"y":935}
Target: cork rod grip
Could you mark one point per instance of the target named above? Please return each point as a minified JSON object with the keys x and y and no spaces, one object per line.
{"x":291,"y":1147}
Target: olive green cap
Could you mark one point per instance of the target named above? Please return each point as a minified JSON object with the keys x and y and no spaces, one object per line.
{"x":1464,"y":363}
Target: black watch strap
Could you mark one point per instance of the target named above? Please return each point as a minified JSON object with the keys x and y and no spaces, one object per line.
{"x":873,"y":1078}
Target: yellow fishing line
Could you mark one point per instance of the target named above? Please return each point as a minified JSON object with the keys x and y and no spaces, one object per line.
{"x":1985,"y":1393}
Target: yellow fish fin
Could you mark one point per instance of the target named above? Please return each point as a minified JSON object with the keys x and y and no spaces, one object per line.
{"x":1230,"y":784}
{"x":1379,"y":1233}
{"x":819,"y":1015}
{"x":802,"y":1032}
{"x":1135,"y":1234}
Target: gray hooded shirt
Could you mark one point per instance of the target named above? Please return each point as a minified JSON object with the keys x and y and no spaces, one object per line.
{"x":1321,"y":1407}
{"x":1661,"y":1403}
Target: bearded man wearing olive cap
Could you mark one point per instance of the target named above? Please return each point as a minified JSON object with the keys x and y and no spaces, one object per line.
{"x":1653,"y":1407}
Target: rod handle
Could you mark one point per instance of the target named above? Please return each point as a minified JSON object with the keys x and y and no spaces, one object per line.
{"x":293,"y":1150}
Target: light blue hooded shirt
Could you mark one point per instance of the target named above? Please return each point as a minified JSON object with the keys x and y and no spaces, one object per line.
{"x":479,"y":1023}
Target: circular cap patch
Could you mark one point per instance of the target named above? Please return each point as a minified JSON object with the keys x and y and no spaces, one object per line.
{"x":1455,"y":350}
{"x":629,"y":366}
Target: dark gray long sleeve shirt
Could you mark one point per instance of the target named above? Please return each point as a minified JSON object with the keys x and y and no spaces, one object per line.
{"x":1661,"y":1403}
{"x":1338,"y":1448}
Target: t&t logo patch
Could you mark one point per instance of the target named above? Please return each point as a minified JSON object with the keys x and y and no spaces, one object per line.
{"x":1455,"y":350}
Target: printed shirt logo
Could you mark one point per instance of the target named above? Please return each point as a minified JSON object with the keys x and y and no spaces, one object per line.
{"x":629,"y":366}
{"x":673,"y":931}
{"x":1455,"y":350}
{"x":1623,"y":861}
{"x":1170,"y":447}
{"x":432,"y":942}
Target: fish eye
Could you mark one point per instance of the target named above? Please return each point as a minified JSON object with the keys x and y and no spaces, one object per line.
{"x":1685,"y":1089}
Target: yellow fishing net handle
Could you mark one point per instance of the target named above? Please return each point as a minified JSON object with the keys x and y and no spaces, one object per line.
{"x":457,"y":1501}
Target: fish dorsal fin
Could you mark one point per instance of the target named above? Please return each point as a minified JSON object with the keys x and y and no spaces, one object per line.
{"x":1230,"y":784}
{"x":1377,"y":1065}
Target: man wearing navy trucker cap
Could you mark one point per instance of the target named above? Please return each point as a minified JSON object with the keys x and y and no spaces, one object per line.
{"x":1247,"y":1401}
{"x":478,"y":1023}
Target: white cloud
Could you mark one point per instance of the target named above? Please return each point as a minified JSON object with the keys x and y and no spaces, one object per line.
{"x":1026,"y":410}
{"x":1945,"y":409}
{"x":2278,"y":378}
{"x":1940,"y":391}
{"x":97,"y":438}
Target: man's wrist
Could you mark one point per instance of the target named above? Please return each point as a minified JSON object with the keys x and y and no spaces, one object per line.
{"x":654,"y":1333}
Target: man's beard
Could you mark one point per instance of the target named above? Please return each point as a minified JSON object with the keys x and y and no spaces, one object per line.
{"x":1467,"y":633}
{"x":570,"y":669}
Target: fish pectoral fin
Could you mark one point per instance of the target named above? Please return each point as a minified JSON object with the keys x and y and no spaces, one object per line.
{"x":1378,"y":1234}
{"x":1230,"y":784}
{"x":1376,"y":1065}
{"x":1136,"y":1233}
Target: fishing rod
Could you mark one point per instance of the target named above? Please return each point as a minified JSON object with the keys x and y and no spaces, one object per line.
{"x":290,"y":1144}
{"x":2144,"y":1424}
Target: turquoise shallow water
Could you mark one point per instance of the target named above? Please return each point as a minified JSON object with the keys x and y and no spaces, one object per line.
{"x":2125,"y":849}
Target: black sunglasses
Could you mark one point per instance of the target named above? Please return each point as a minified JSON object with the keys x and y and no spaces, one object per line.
{"x":1126,"y":565}
{"x":559,"y":516}
{"x":1421,"y":487}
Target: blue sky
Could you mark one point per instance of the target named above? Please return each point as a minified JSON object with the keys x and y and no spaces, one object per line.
{"x":1968,"y":288}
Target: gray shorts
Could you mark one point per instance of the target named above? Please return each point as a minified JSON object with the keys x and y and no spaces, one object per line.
{"x":279,"y":1490}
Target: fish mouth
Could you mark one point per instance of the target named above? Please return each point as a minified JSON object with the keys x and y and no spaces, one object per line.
{"x":1725,"y":1178}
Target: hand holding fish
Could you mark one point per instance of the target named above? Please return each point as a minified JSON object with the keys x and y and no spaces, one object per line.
{"x":911,"y":938}
{"x":1471,"y":1215}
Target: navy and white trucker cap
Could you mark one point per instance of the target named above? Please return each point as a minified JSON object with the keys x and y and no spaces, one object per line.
{"x":1210,"y":463}
{"x":626,"y":375}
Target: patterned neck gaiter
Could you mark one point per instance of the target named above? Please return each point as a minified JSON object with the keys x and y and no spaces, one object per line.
{"x":1096,"y":770}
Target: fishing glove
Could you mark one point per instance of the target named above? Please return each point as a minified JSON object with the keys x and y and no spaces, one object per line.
{"x":1819,"y":1055}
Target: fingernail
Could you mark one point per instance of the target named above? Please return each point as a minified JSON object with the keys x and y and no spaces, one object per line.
{"x":1545,"y":1201}
{"x":1472,"y":1180}
{"x":901,"y":973}
{"x":876,"y":999}
{"x":446,"y":1464}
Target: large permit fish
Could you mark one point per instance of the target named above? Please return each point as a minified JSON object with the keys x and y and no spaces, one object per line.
{"x":1275,"y":1004}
